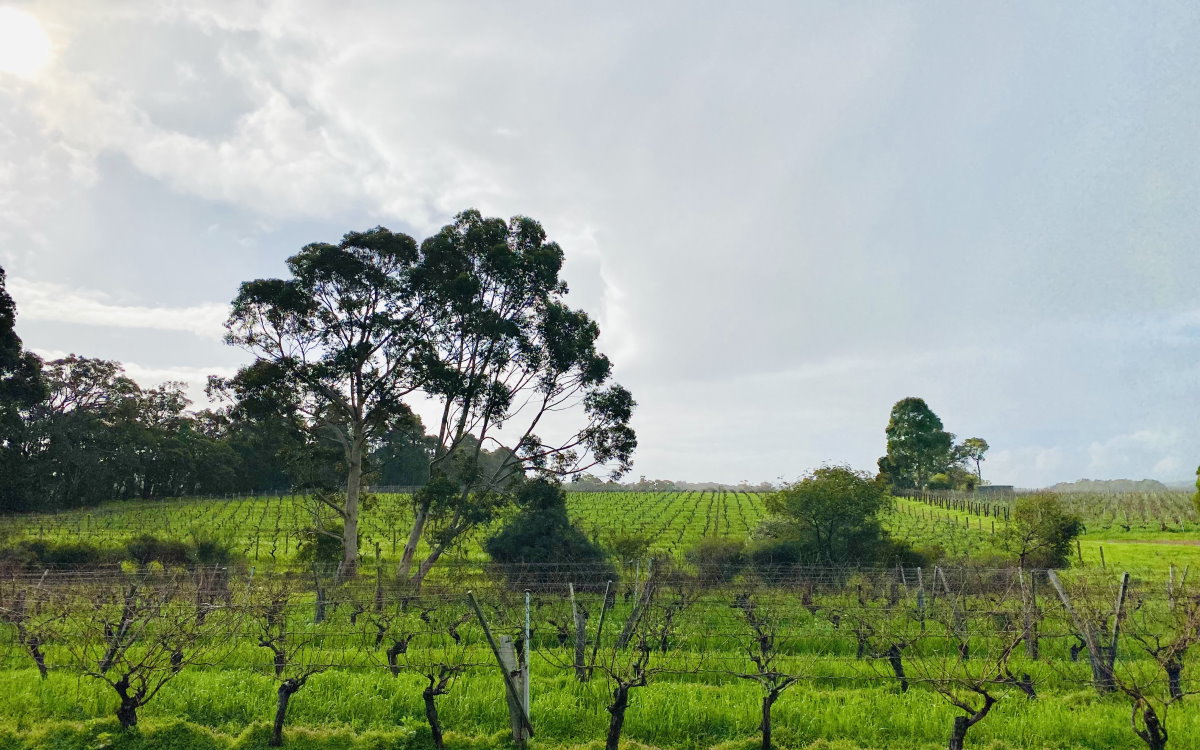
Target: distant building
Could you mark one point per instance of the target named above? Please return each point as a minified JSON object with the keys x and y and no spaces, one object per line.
{"x":994,"y":489}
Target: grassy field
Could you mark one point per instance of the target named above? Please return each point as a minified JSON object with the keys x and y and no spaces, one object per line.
{"x":831,"y":629}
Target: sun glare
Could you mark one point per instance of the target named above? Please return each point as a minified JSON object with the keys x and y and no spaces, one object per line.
{"x":24,"y":46}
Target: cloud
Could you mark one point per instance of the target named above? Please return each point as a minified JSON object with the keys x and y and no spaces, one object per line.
{"x":50,"y":301}
{"x":781,"y":228}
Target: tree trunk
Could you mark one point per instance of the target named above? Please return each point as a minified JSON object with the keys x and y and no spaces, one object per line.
{"x":414,"y":538}
{"x":394,"y":650}
{"x":1174,"y":679}
{"x":1155,"y":734}
{"x":897,"y":662}
{"x":127,"y":713}
{"x":426,"y":566}
{"x":354,"y":460}
{"x":767,"y":701}
{"x":286,"y":689}
{"x":617,"y":709}
{"x":431,"y":715}
{"x":958,"y":733}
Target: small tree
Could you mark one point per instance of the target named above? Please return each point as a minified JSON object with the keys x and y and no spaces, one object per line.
{"x":1166,"y":634}
{"x":969,"y":684}
{"x":541,"y":535}
{"x":430,"y":638}
{"x":830,"y":516}
{"x":1041,"y":531}
{"x":631,"y":661}
{"x":33,"y":625}
{"x":973,"y":449}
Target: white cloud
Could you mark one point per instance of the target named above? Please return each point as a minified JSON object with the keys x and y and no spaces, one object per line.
{"x":50,"y":301}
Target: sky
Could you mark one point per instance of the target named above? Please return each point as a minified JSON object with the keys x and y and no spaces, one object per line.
{"x":784,"y":216}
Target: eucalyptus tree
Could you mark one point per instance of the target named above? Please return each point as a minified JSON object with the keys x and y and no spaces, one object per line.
{"x":336,"y":347}
{"x":507,"y":353}
{"x":21,"y":388}
{"x":472,"y":325}
{"x":917,"y":445}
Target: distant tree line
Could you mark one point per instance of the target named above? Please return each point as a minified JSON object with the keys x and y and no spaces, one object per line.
{"x":470,"y":321}
{"x":79,"y":432}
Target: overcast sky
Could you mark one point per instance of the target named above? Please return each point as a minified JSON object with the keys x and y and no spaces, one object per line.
{"x":785,"y":216}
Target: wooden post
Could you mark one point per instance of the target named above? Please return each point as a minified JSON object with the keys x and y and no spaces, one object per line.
{"x":1102,"y":565}
{"x":516,"y":705}
{"x":921,"y":597}
{"x":580,"y":623}
{"x":510,"y":685}
{"x":1101,"y":681}
{"x":599,"y":627}
{"x":526,"y":651}
{"x":1171,"y":587}
{"x":1029,"y":607}
{"x":1118,"y":610}
{"x":319,"y":608}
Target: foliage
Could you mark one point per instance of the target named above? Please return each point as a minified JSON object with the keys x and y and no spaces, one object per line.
{"x":32,"y":552}
{"x":831,"y":515}
{"x":21,"y":388}
{"x":1042,"y":531}
{"x":542,"y":534}
{"x":321,"y":545}
{"x":973,"y":449}
{"x":717,"y":558}
{"x":499,"y":297}
{"x":146,"y":549}
{"x":473,"y":319}
{"x":917,"y":446}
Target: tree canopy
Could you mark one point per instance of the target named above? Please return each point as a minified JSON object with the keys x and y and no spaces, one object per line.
{"x":917,"y":445}
{"x":472,"y":321}
{"x":829,"y":516}
{"x":21,"y":388}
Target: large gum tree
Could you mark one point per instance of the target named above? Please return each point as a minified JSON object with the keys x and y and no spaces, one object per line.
{"x":472,"y":326}
{"x":507,"y":356}
{"x":336,"y":350}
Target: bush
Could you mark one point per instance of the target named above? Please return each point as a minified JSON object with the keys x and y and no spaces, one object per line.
{"x":35,"y":552}
{"x":321,"y":546}
{"x":717,"y":559}
{"x":541,"y":535}
{"x":1042,"y":531}
{"x":147,"y":549}
{"x":628,"y":546}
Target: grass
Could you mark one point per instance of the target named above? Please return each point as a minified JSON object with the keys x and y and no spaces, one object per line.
{"x":698,"y":702}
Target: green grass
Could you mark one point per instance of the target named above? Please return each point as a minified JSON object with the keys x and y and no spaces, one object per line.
{"x":699,"y":702}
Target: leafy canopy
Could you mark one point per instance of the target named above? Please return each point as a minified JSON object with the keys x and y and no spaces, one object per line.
{"x":831,"y":515}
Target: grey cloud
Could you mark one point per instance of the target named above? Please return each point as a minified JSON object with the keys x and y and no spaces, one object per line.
{"x":785,"y":217}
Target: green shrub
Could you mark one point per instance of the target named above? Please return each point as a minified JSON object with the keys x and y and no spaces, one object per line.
{"x":321,"y":546}
{"x":717,"y":559}
{"x":147,"y":549}
{"x":541,"y":535}
{"x":34,"y":552}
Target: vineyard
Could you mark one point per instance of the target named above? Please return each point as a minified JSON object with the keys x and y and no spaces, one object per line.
{"x":872,"y":658}
{"x":264,"y":647}
{"x":1134,"y":532}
